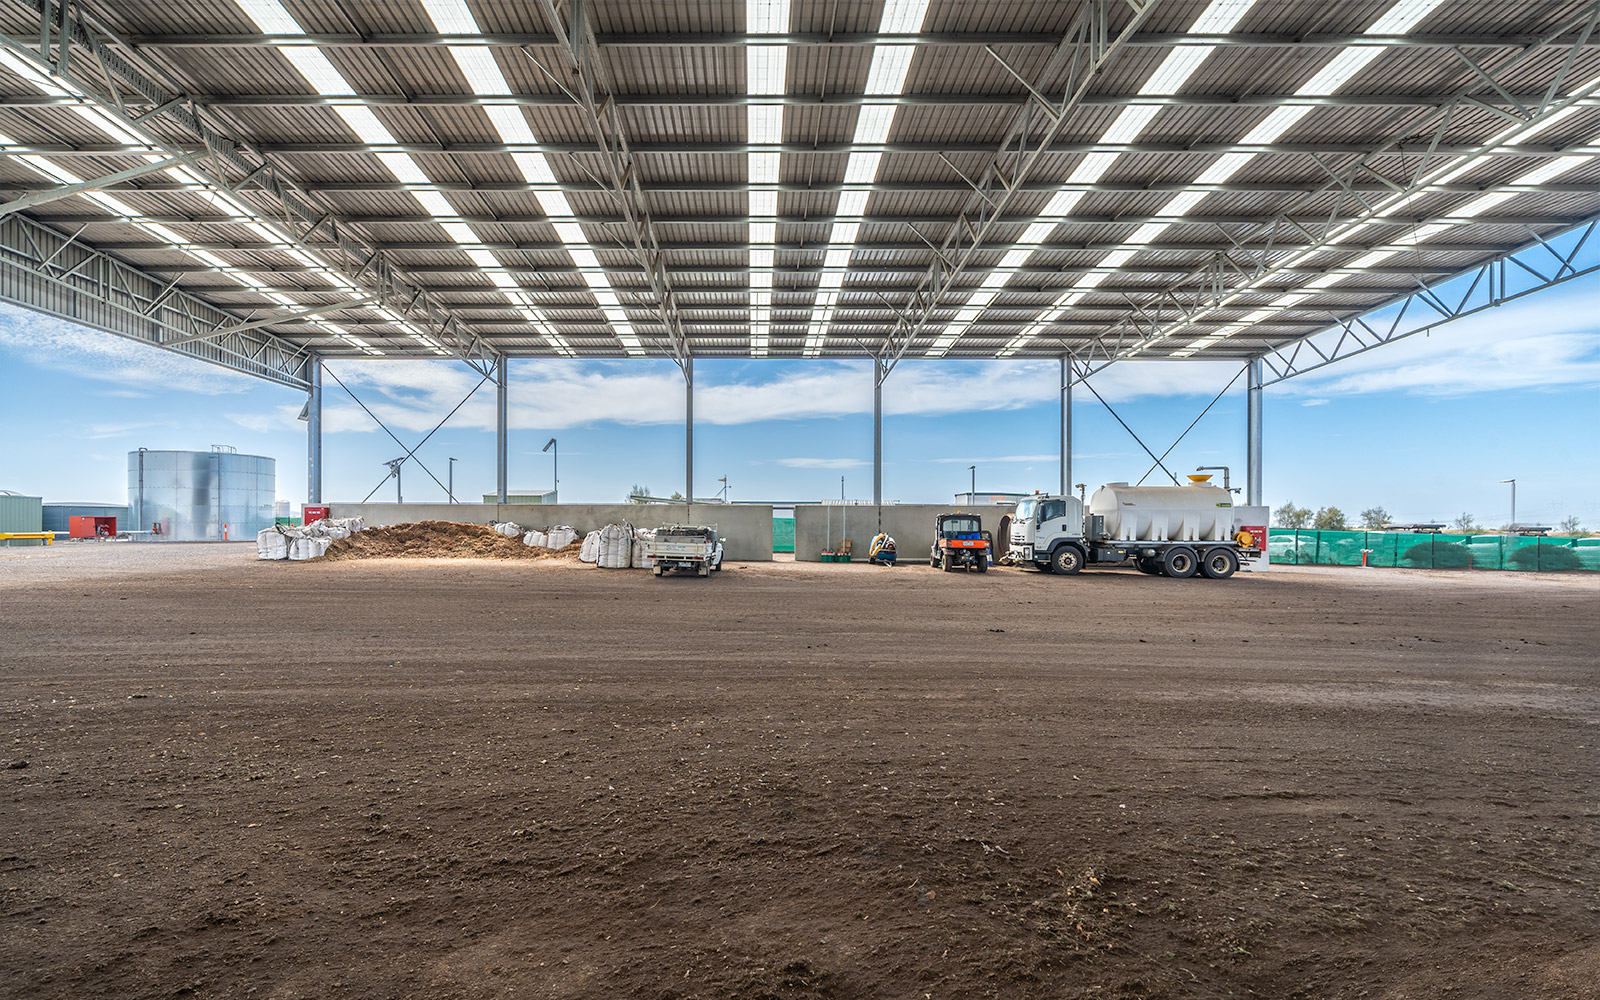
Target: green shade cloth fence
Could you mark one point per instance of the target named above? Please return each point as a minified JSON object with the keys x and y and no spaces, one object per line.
{"x":783,"y":534}
{"x":1422,"y":551}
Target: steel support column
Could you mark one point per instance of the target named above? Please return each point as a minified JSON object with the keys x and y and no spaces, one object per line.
{"x":879,"y":373}
{"x":1066,"y":427}
{"x":688,"y":429}
{"x":500,"y":427}
{"x":1252,"y":445}
{"x":314,"y":433}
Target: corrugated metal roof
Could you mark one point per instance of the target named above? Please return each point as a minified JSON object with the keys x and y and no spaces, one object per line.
{"x":683,"y":110}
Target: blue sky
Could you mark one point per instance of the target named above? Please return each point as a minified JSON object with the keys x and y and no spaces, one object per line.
{"x":1426,"y":427}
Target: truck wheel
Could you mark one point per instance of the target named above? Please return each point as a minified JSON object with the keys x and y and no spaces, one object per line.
{"x":1180,"y":562}
{"x":1219,"y":564}
{"x":1066,"y":560}
{"x":1145,"y":565}
{"x":949,"y":563}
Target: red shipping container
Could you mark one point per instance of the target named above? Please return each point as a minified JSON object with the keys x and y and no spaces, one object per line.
{"x":79,"y":526}
{"x":314,"y":514}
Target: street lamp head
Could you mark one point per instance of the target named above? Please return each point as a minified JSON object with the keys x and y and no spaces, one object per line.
{"x":548,"y":445}
{"x":1508,"y":480}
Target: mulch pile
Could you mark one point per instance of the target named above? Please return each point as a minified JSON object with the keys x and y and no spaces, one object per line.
{"x":442,"y":540}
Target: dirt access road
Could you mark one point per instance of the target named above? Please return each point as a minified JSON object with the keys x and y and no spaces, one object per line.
{"x":472,"y":779}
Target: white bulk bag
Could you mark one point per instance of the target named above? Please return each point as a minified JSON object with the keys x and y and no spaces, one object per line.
{"x":536,"y":539}
{"x":308,"y":548}
{"x":330,"y":528}
{"x":272,"y":544}
{"x":507,"y":528}
{"x":616,"y":546}
{"x":561,"y":536}
{"x":591,"y":548}
{"x":640,"y":559}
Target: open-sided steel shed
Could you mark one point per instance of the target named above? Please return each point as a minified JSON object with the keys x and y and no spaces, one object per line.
{"x":267,"y":184}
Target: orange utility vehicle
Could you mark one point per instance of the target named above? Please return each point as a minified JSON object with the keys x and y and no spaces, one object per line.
{"x":958,"y":542}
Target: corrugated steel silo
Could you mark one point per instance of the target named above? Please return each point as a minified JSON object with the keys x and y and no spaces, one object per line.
{"x":196,"y":496}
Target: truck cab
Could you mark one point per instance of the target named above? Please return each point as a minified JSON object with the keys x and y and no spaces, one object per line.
{"x":1047,"y":531}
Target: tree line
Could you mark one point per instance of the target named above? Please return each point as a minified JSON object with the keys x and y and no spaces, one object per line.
{"x":1372,"y":519}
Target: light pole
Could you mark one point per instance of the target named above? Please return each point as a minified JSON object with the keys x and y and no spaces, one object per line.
{"x":1513,"y":483}
{"x":972,"y":496}
{"x":724,"y":482}
{"x":394,"y":465}
{"x":451,"y":487}
{"x":555,"y":469}
{"x":841,"y":487}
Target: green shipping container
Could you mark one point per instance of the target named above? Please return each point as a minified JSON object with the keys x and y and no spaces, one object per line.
{"x":20,"y":513}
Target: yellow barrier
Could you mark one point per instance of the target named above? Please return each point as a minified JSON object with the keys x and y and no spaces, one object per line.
{"x":48,"y":536}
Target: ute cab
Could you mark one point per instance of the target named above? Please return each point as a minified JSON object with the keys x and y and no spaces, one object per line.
{"x":959,"y":542}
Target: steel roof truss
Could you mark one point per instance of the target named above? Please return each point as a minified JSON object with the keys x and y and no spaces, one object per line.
{"x":1358,"y":336}
{"x":60,"y":191}
{"x":1211,"y":287}
{"x":589,"y":90}
{"x":294,"y":209}
{"x":61,"y":275}
{"x":1087,"y":48}
{"x":1157,"y":39}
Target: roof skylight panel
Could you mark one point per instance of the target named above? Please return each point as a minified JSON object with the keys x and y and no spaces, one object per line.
{"x":766,"y":75}
{"x":485,"y":79}
{"x":886,"y":77}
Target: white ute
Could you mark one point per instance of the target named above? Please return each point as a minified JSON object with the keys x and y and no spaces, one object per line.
{"x":685,"y":546}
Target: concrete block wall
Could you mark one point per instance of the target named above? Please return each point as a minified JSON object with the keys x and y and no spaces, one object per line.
{"x":746,"y":529}
{"x":911,"y":525}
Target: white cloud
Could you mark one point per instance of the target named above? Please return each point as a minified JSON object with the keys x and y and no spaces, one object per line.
{"x":62,"y":346}
{"x":279,"y":418}
{"x":1541,"y":342}
{"x":822,"y":463}
{"x":991,"y":460}
{"x":552,"y":395}
{"x":1314,"y":402}
{"x":99,"y":432}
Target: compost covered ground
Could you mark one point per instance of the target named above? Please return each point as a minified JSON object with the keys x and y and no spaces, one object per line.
{"x":440,"y":540}
{"x":403,"y":778}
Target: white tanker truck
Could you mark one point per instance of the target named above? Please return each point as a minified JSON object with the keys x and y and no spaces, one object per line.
{"x":1175,"y":531}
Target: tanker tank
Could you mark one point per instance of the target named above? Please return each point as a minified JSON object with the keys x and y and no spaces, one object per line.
{"x":1198,"y":513}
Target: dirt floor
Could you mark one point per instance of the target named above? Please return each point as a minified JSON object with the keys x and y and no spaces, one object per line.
{"x":403,"y":778}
